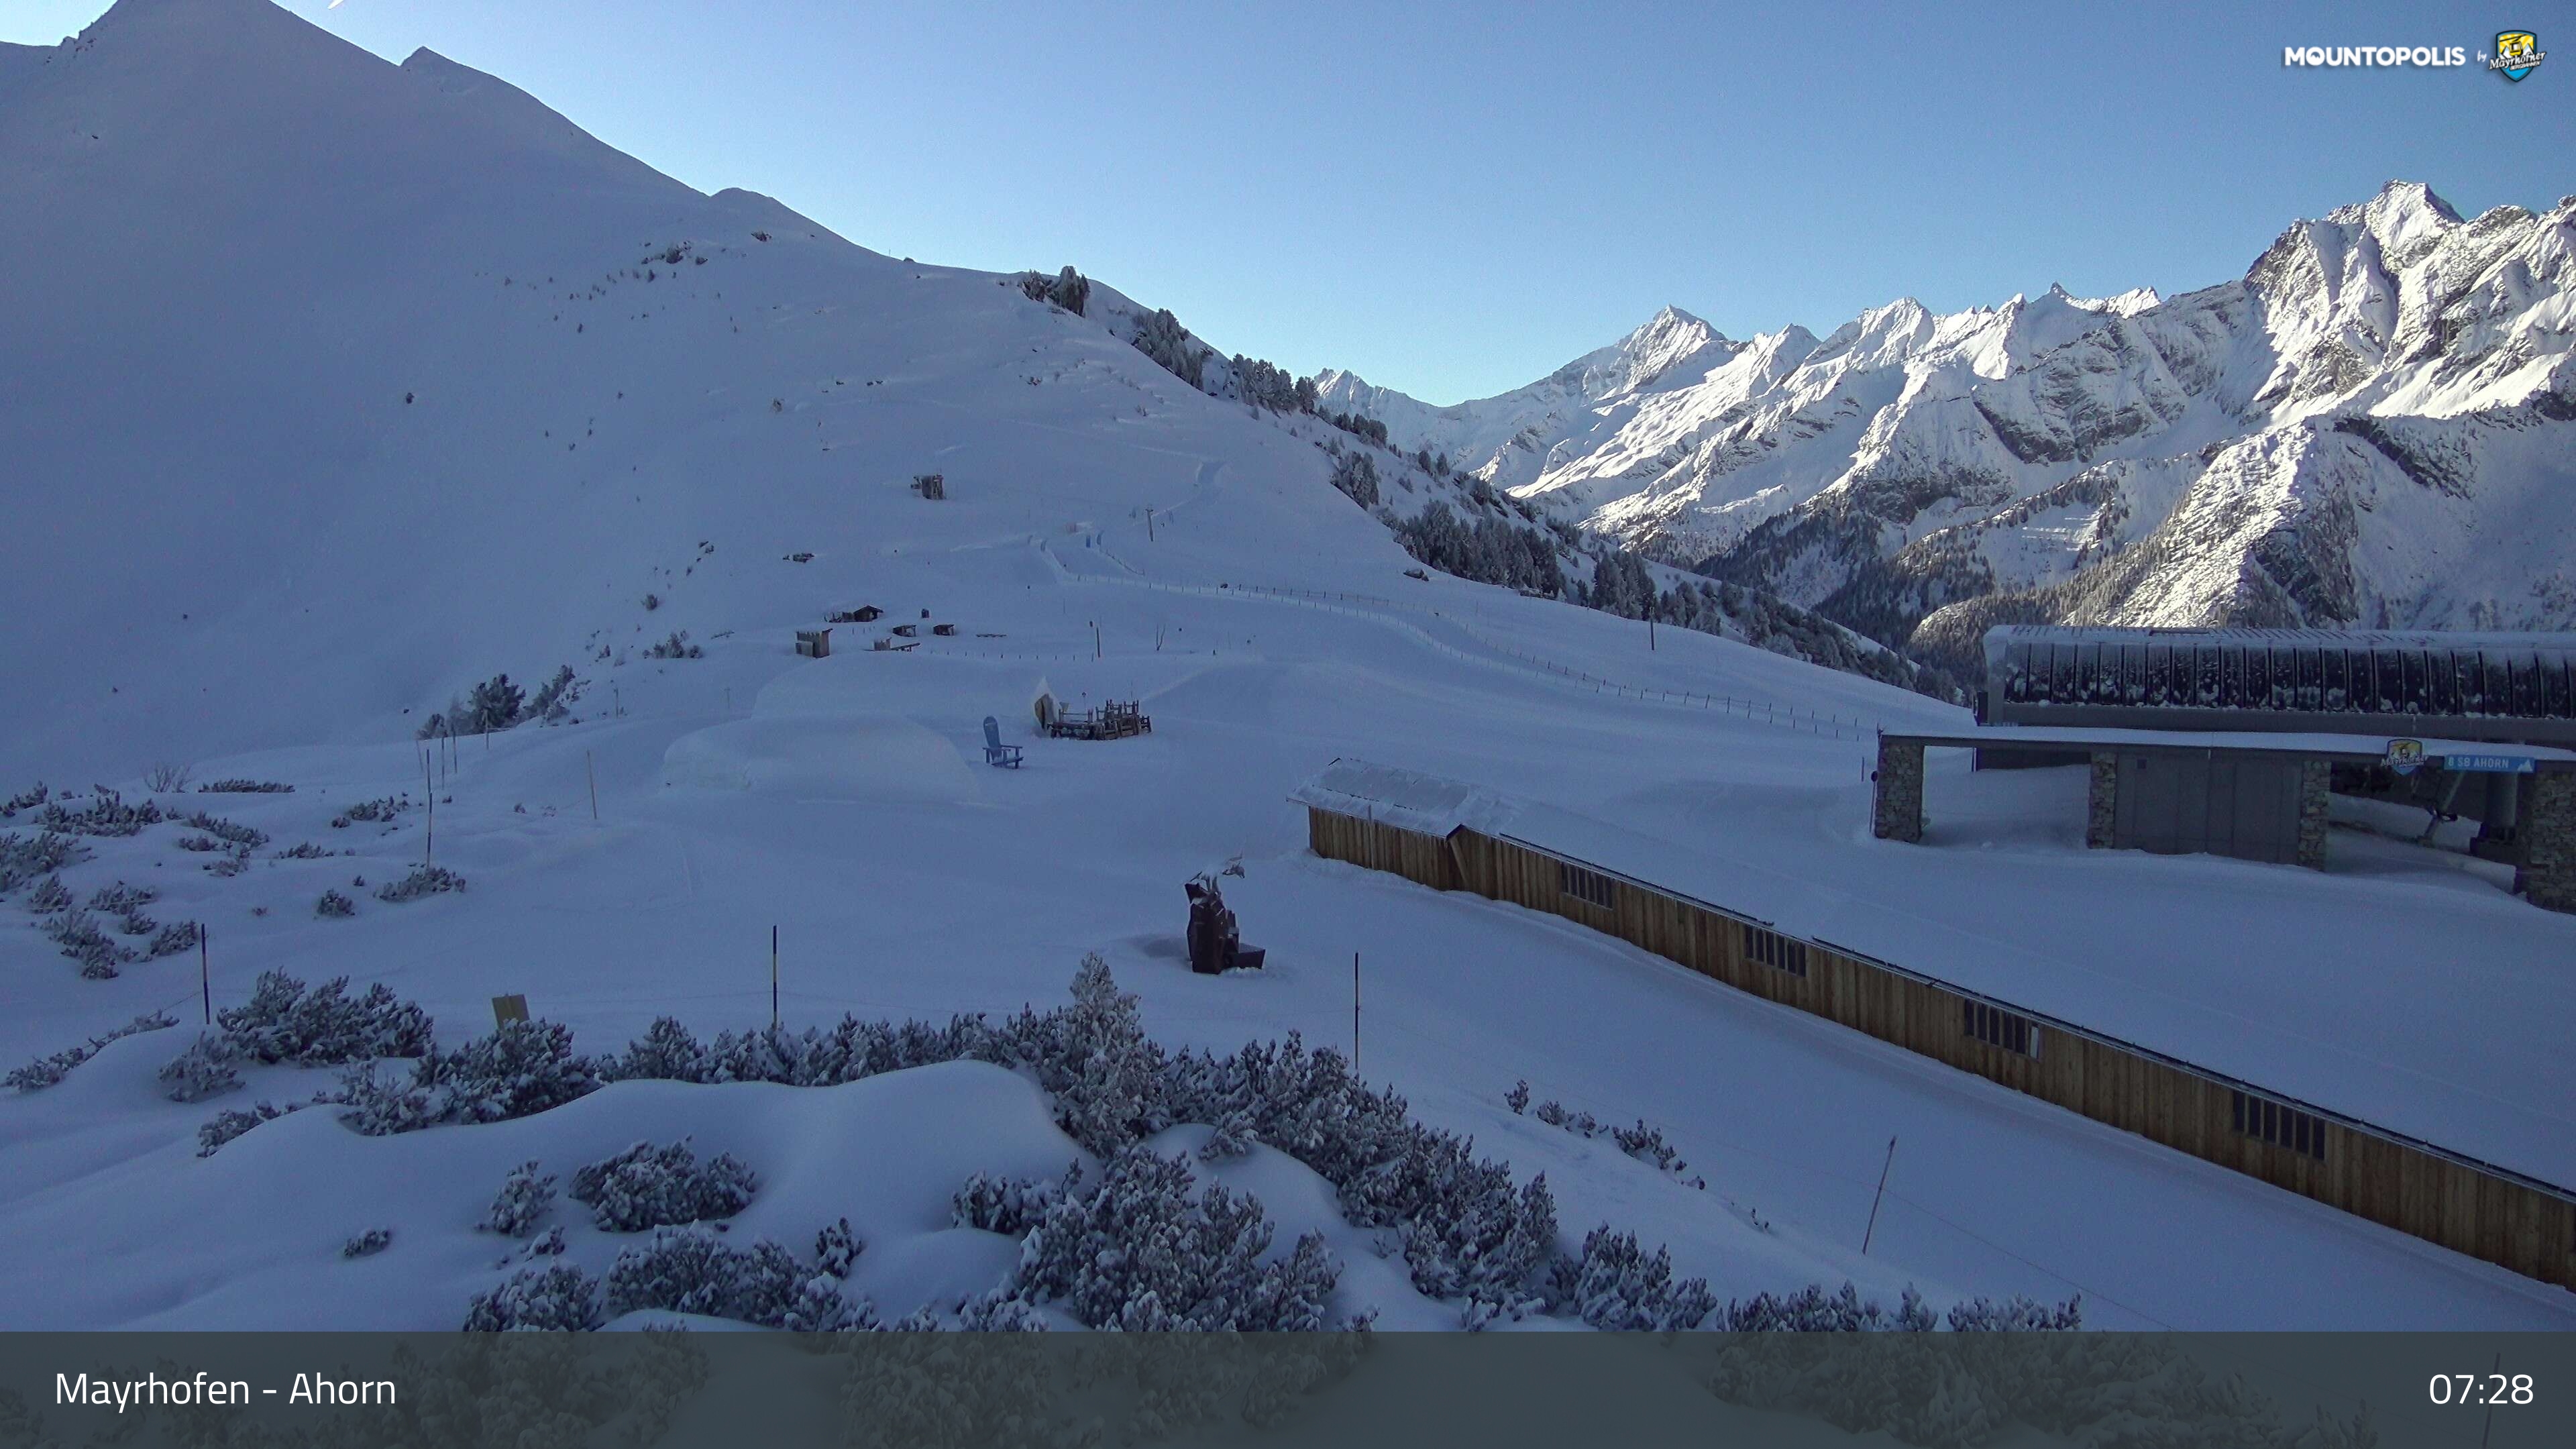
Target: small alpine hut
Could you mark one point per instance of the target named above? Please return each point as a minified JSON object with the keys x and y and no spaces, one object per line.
{"x":814,"y":643}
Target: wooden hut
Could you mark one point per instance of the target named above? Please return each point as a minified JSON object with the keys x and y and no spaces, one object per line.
{"x":1455,"y":836}
{"x":814,"y":643}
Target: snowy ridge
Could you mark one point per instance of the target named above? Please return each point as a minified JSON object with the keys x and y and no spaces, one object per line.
{"x":2370,"y":427}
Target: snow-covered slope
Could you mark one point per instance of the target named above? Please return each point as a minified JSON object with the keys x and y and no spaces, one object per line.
{"x":2371,"y":426}
{"x":405,"y":358}
{"x":359,"y":383}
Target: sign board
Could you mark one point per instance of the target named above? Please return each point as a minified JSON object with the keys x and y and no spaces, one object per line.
{"x":2406,"y":756}
{"x":507,"y":1009}
{"x":2490,"y":764}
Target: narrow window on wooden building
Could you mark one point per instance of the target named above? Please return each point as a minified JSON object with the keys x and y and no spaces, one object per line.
{"x":1588,"y":886}
{"x":2301,"y":1132}
{"x":1780,"y":953}
{"x":1997,"y":1027}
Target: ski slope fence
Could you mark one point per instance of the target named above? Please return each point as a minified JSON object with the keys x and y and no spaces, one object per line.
{"x":2472,"y":1207}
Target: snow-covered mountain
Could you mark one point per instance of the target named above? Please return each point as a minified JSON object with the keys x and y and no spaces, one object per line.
{"x":2372,"y":426}
{"x":404,"y":357}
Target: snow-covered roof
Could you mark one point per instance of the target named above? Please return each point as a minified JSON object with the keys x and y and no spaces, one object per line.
{"x":1407,"y":799}
{"x":2447,"y":641}
{"x":2298,"y":742}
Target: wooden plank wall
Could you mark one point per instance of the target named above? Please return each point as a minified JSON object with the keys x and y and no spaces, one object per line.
{"x":2441,"y":1199}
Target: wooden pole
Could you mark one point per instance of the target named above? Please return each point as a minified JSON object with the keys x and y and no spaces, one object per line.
{"x":205,"y":974}
{"x":1872,"y":1229}
{"x":429,"y":832}
{"x":591,"y":771}
{"x":773,"y":978}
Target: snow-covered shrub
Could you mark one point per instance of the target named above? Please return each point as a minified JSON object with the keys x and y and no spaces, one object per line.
{"x":77,"y":933}
{"x":424,"y":880}
{"x":302,"y":850}
{"x":225,"y":867}
{"x":1143,"y":1252}
{"x":1617,"y":1285}
{"x":665,"y":1052}
{"x":135,"y":923}
{"x":368,"y":1243}
{"x":2017,"y":1314}
{"x":49,"y":896}
{"x":525,"y":1197}
{"x":523,"y":1067}
{"x":201,"y":844}
{"x":106,"y":814}
{"x":1006,"y":1205}
{"x":1488,"y":1245}
{"x":167,"y":777}
{"x":231,"y":1123}
{"x":554,"y":699}
{"x":204,"y":1070}
{"x":837,"y":1249}
{"x":1647,"y":1145}
{"x":1965,"y":1392}
{"x":284,"y":1021}
{"x":1068,"y":289}
{"x":561,"y":1298}
{"x":25,"y":800}
{"x":689,"y":1271}
{"x":1517,"y":1098}
{"x":120,"y":898}
{"x":676,"y":647}
{"x":23,"y":860}
{"x":1232,"y":1137}
{"x":647,"y":1186}
{"x":44,"y":1072}
{"x":241,"y":837}
{"x":245,"y":787}
{"x":334,"y":905}
{"x":172,"y":939}
{"x":1094,"y":1058}
{"x":1812,"y":1310}
{"x":383,"y":809}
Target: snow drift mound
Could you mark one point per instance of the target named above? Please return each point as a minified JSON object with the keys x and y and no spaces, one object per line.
{"x":876,"y":758}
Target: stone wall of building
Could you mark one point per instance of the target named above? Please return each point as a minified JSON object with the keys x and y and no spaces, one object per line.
{"x":2102,"y":801}
{"x":2315,"y":778}
{"x":1898,"y":813}
{"x":2548,"y":840}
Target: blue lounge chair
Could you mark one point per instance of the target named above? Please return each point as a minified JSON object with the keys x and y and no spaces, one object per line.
{"x":996,"y":753}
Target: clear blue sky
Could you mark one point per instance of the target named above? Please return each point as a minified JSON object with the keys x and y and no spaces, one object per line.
{"x":1456,"y":200}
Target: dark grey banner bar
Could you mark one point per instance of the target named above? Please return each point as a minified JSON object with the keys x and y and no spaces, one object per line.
{"x":1940,"y":1390}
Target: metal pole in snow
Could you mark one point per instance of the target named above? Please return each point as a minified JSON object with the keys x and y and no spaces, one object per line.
{"x":592,"y":772}
{"x":1872,"y":1229}
{"x":205,"y":974}
{"x":773,"y":978}
{"x":1355,"y":1013}
{"x":429,"y":832}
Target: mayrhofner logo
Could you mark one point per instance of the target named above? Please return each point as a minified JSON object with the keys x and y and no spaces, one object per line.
{"x":2375,"y":56}
{"x":2517,"y":54}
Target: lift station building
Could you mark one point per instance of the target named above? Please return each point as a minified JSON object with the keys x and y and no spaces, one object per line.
{"x":2230,"y":741}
